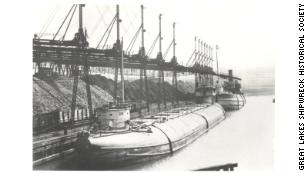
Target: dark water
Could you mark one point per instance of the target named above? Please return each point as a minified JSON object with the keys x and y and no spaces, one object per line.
{"x":245,"y":137}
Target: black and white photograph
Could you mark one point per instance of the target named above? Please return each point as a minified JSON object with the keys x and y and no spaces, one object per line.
{"x":202,"y":85}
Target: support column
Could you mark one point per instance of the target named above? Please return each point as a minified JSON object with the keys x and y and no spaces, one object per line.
{"x":142,"y":54}
{"x":146,"y":91}
{"x":160,"y":95}
{"x":161,"y":58}
{"x":88,"y":89}
{"x":175,"y":63}
{"x":163,"y":90}
{"x":75,"y":72}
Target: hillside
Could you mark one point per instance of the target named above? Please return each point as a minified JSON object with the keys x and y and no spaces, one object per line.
{"x":51,"y":93}
{"x":132,"y":90}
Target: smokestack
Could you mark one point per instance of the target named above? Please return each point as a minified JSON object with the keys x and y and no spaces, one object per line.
{"x":230,"y":75}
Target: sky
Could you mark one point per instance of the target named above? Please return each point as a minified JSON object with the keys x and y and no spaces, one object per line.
{"x":245,"y":31}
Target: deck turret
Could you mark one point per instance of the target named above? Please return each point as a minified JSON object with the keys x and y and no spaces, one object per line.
{"x":113,"y":117}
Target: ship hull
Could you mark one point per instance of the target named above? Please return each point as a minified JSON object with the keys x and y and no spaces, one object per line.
{"x":231,"y":101}
{"x":165,"y":139}
{"x":205,"y":99}
{"x":118,"y":155}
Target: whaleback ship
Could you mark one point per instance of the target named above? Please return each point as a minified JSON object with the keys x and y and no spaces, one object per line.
{"x":114,"y":137}
{"x":141,"y":139}
{"x":227,"y":92}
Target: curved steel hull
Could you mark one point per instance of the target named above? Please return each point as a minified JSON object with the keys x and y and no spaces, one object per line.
{"x":231,"y":101}
{"x":165,"y":138}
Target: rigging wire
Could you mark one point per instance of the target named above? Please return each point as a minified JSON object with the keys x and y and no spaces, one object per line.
{"x":132,"y":42}
{"x":63,"y":21}
{"x":108,"y":28}
{"x":49,"y":20}
{"x":125,"y":30}
{"x":127,"y":14}
{"x":200,"y":58}
{"x":195,"y":58}
{"x":131,"y":23}
{"x":152,"y":46}
{"x":99,"y":20}
{"x":205,"y":60}
{"x":109,"y":33}
{"x":167,"y":50}
{"x":108,"y":9}
{"x":69,"y":23}
{"x":190,"y":58}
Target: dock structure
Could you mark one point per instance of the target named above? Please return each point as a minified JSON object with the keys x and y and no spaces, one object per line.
{"x":224,"y":167}
{"x":74,"y":57}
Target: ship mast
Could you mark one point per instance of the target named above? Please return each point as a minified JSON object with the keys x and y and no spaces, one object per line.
{"x":121,"y":71}
{"x":143,"y":30}
{"x":217,"y":63}
{"x":160,"y":35}
{"x":144,"y":57}
{"x":174,"y":41}
{"x":118,"y":49}
{"x":161,"y":58}
{"x":175,"y":60}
